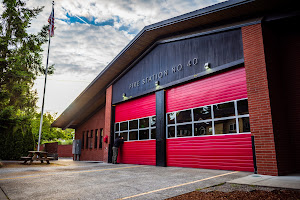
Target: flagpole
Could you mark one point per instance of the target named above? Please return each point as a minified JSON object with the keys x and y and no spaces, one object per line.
{"x":46,"y":72}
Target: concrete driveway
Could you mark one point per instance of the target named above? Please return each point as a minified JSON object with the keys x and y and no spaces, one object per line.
{"x":66,"y":179}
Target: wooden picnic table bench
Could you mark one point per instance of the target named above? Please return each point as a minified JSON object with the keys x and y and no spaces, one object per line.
{"x":37,"y":156}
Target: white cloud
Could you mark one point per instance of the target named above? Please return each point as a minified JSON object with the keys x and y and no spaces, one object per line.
{"x":80,"y":51}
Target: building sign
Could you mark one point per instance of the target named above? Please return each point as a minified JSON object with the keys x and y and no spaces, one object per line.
{"x":173,"y":61}
{"x":162,"y":74}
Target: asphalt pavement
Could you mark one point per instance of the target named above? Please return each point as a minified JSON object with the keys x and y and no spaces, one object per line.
{"x":67,"y":179}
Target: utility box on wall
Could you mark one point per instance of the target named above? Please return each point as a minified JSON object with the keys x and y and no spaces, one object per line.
{"x":76,"y":150}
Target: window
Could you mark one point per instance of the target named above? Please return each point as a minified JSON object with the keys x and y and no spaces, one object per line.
{"x":204,"y":128}
{"x":82,"y":142}
{"x":171,"y":131}
{"x":90,"y":140}
{"x":101,"y":138}
{"x":153,"y":121}
{"x":202,"y":113}
{"x":133,"y":135}
{"x":184,"y":130}
{"x":144,"y":134}
{"x":96,"y":138}
{"x":244,"y":124}
{"x":137,"y":129}
{"x":222,"y":118}
{"x":153,"y":133}
{"x":133,"y":124}
{"x":224,"y":110}
{"x":183,"y":116}
{"x":124,"y":126}
{"x":171,"y":118}
{"x":144,"y":123}
{"x":225,"y":126}
{"x":242,"y":107}
{"x":87,"y":140}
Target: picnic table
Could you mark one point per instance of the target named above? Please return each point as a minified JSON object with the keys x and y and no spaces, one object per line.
{"x":37,"y":156}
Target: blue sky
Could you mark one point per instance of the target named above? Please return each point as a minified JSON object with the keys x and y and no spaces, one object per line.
{"x":89,"y":34}
{"x":92,"y":21}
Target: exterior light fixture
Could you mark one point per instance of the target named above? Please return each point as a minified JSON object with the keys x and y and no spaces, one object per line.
{"x":207,"y":66}
{"x":156,"y":83}
{"x":124,"y":97}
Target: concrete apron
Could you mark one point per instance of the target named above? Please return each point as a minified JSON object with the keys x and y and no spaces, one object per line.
{"x":291,"y":181}
{"x":107,"y":181}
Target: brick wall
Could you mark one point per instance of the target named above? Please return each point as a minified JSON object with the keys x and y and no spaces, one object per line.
{"x":95,"y":122}
{"x":259,"y":101}
{"x":54,"y":148}
{"x":64,"y":151}
{"x":51,"y":147}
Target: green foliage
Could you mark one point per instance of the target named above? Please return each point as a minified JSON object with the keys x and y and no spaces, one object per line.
{"x":20,"y":56}
{"x":49,"y":133}
{"x":28,"y":141}
{"x":65,"y":142}
{"x":60,"y":142}
{"x":20,"y":64}
{"x":16,"y":137}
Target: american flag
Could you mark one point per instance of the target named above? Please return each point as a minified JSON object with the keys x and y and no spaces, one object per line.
{"x":51,"y":22}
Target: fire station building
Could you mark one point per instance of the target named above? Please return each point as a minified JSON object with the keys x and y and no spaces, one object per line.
{"x":217,"y":88}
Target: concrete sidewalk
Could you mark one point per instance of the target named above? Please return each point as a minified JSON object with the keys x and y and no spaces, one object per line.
{"x":67,"y":179}
{"x":291,"y":181}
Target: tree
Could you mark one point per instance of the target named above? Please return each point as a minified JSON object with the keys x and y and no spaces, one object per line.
{"x":49,"y":133}
{"x":20,"y":64}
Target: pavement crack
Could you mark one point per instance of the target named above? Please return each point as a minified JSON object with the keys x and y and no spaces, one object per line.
{"x":4,"y":193}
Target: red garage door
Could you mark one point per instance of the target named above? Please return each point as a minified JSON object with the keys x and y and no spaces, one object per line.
{"x":135,"y":121}
{"x":208,"y":123}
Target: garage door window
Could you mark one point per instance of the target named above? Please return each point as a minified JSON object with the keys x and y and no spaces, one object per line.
{"x":223,"y":118}
{"x":137,"y":129}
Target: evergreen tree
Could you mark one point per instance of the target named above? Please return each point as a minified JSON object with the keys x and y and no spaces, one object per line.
{"x":28,"y":141}
{"x":20,"y":64}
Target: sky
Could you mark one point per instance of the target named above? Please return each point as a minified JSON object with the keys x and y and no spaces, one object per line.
{"x":89,"y":34}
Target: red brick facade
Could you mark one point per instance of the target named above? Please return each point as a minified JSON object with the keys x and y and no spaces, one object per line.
{"x":258,"y":99}
{"x":64,"y":151}
{"x":95,"y":122}
{"x":102,"y":122}
{"x":60,"y":150}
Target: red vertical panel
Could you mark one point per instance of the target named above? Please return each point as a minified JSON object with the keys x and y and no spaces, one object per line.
{"x":225,"y":152}
{"x":138,"y":152}
{"x":222,"y":87}
{"x":137,"y":108}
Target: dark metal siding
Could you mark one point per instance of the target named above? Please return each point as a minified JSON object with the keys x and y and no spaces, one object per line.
{"x":217,"y":49}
